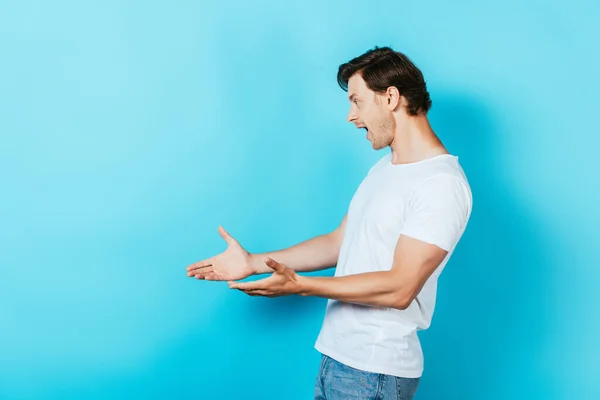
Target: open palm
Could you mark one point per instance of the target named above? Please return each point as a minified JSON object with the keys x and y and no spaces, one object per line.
{"x":232,"y":264}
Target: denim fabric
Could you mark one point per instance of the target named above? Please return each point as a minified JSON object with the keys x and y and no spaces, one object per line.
{"x":337,"y":381}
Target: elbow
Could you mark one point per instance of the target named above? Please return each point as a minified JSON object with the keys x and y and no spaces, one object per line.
{"x":402,"y":300}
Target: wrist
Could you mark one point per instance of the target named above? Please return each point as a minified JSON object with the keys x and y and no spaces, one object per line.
{"x":303,"y":285}
{"x":257,"y":264}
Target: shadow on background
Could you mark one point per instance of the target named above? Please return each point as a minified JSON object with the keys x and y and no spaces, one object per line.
{"x":488,"y":315}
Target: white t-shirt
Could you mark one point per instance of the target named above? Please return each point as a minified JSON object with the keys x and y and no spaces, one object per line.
{"x":429,"y":200}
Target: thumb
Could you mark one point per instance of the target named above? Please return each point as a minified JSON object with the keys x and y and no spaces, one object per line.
{"x":226,"y":236}
{"x":278,"y":267}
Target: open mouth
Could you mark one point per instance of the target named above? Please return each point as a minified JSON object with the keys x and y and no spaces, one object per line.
{"x":365,"y":129}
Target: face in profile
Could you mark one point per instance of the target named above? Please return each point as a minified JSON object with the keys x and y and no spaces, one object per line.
{"x":370,"y":111}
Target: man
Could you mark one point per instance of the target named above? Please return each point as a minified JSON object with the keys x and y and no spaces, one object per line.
{"x":401,"y":228}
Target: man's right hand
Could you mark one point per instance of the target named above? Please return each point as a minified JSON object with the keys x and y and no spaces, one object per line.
{"x":233,"y":264}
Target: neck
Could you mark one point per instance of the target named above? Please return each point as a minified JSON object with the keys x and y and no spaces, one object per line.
{"x":415,"y":141}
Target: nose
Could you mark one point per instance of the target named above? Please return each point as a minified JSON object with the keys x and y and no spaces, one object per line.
{"x":351,"y":115}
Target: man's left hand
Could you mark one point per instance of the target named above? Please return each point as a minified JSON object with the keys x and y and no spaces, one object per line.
{"x":283,"y":282}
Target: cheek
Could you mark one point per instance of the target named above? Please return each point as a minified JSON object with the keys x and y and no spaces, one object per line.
{"x":385,"y":123}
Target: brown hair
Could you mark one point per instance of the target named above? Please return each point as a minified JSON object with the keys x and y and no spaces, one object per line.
{"x":383,"y":67}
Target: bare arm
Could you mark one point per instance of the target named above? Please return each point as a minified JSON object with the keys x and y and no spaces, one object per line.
{"x":414,"y":262}
{"x":318,"y":253}
{"x":235,"y":262}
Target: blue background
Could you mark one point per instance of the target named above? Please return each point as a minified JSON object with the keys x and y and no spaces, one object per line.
{"x":131,"y":130}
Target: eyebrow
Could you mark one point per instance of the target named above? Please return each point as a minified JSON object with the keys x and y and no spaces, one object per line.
{"x":352,"y":96}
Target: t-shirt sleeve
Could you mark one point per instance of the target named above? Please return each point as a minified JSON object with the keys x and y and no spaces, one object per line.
{"x":438,"y":211}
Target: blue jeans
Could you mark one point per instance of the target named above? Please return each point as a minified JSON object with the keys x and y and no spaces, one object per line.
{"x":337,"y":381}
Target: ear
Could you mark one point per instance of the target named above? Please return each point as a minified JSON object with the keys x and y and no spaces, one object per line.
{"x":394,"y":98}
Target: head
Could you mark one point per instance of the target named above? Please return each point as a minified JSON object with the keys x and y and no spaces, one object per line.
{"x":385,"y":89}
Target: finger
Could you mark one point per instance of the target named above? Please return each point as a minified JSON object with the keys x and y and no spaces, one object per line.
{"x":203,"y":275}
{"x":201,"y":271}
{"x":278,"y":267}
{"x":213,"y":277}
{"x":257,"y":293}
{"x":199,"y":265}
{"x":226,"y":236}
{"x":256,"y":285}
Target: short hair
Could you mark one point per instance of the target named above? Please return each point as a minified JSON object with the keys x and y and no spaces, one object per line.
{"x":382,"y":67}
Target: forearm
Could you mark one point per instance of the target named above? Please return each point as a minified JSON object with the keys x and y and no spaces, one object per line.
{"x":379,"y":289}
{"x":314,"y":254}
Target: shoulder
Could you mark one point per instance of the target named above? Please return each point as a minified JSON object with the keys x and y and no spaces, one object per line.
{"x":447,"y":192}
{"x":445,"y":172}
{"x":439,"y":209}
